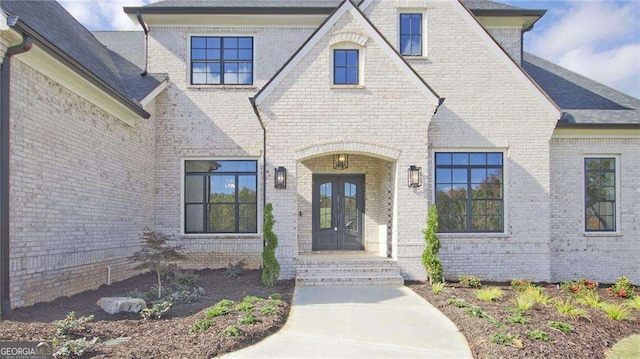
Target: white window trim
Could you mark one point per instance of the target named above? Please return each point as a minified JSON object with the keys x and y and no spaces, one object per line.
{"x":224,"y":86}
{"x":258,"y":233}
{"x":361,"y":57}
{"x":617,"y":232}
{"x":505,"y":191}
{"x":422,"y":12}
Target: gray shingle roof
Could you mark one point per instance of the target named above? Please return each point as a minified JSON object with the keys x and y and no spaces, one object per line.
{"x":128,"y":44}
{"x":51,"y":21}
{"x":585,"y":101}
{"x":488,"y":5}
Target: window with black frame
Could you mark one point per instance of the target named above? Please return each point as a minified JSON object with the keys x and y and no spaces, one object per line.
{"x":600,"y":194}
{"x":221,"y":196}
{"x":218,"y":60}
{"x":411,"y":34}
{"x":469,"y":191}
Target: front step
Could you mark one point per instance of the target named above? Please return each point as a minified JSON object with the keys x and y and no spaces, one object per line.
{"x":346,"y":269}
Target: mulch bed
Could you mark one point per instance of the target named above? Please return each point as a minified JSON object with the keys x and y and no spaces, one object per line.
{"x":590,"y":339}
{"x":168,"y":337}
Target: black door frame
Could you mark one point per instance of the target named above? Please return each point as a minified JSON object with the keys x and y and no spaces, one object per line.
{"x":341,"y":239}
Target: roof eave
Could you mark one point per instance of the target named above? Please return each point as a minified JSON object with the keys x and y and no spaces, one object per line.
{"x":585,"y":126}
{"x":63,"y":57}
{"x":508,"y":12}
{"x":229,"y":10}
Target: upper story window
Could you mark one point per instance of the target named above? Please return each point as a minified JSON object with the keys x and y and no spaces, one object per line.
{"x":469,"y":188}
{"x":221,"y":196}
{"x":600,"y":194}
{"x":411,"y":34}
{"x":221,"y":60}
{"x":345,"y":67}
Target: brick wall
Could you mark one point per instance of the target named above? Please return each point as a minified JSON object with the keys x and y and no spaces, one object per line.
{"x":82,"y":190}
{"x":488,"y":107}
{"x":598,"y":256}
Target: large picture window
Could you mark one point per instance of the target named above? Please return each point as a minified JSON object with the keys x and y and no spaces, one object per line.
{"x":219,"y":60}
{"x":221,"y":196}
{"x":600,"y":194}
{"x":469,"y":191}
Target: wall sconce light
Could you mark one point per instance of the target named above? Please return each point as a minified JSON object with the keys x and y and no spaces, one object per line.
{"x":415,"y":176}
{"x":340,"y":161}
{"x":281,"y":177}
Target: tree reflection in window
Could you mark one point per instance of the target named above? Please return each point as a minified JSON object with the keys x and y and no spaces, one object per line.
{"x":600,"y":194}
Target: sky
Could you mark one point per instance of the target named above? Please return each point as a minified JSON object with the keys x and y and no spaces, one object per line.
{"x":599,"y":39}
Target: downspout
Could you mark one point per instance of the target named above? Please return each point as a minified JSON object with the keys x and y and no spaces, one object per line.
{"x":264,"y":151}
{"x":5,"y":137}
{"x":145,"y":28}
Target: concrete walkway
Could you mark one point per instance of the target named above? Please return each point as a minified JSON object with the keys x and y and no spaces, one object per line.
{"x":361,"y":322}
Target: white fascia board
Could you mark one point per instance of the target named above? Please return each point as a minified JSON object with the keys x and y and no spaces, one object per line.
{"x":153,"y":94}
{"x":3,"y":21}
{"x":41,"y":61}
{"x":365,"y":4}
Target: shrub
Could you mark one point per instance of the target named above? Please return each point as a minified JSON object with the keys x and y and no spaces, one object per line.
{"x":231,"y":331}
{"x":519,"y":319}
{"x":567,"y":308}
{"x":156,"y":311}
{"x":615,"y":311}
{"x":271,"y":269}
{"x":268,"y":310}
{"x":523,"y":302}
{"x":236,"y":269}
{"x":538,"y":334}
{"x":627,"y":348}
{"x":477,"y":312}
{"x":276,"y":296}
{"x":489,"y":294}
{"x":437,"y":288}
{"x":74,"y":348}
{"x":460,"y":303}
{"x":273,"y":302}
{"x":244,"y":307}
{"x":563,"y":327}
{"x":430,"y":259}
{"x":225,"y":303}
{"x":591,"y":299}
{"x":216,"y":311}
{"x":251,"y":299}
{"x":519,"y":285}
{"x":634,"y":302}
{"x":503,"y":338}
{"x":71,"y":325}
{"x":248,"y":319}
{"x":579,"y":287}
{"x":201,"y":325}
{"x":538,"y":296}
{"x":470,"y":281}
{"x":156,"y":255}
{"x":623,"y":287}
{"x":185,"y":278}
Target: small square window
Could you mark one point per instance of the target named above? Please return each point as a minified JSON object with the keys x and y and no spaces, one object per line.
{"x":411,"y":34}
{"x":345,"y":67}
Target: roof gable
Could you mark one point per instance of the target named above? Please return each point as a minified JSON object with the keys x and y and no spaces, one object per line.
{"x":346,"y":7}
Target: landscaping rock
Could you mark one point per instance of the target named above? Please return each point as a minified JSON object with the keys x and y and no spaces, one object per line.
{"x":113,"y":305}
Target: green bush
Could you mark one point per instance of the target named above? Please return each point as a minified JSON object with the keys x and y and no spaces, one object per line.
{"x":430,"y":259}
{"x":518,"y":319}
{"x":185,"y":278}
{"x":623,"y":287}
{"x":74,"y":348}
{"x":252,"y":300}
{"x":248,"y":319}
{"x":156,"y":311}
{"x":579,"y":287}
{"x":71,"y":325}
{"x":615,"y":311}
{"x":236,"y":269}
{"x":523,"y":302}
{"x":460,"y":303}
{"x":231,"y":331}
{"x":568,"y":309}
{"x":519,"y":285}
{"x":225,"y":303}
{"x":268,"y":310}
{"x":634,"y":302}
{"x":437,"y":288}
{"x":538,"y":334}
{"x":244,"y":307}
{"x":503,"y":338}
{"x":538,"y":295}
{"x":489,"y":294}
{"x":591,"y":299}
{"x":201,"y":326}
{"x":216,"y":311}
{"x":271,"y":267}
{"x":563,"y":327}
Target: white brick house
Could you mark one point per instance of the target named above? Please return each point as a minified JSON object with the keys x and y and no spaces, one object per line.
{"x":534,"y":169}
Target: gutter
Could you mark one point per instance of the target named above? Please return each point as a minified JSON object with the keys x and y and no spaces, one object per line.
{"x":145,"y":28}
{"x":5,"y":157}
{"x":264,"y":151}
{"x":599,"y":126}
{"x":230,"y":10}
{"x":61,"y":56}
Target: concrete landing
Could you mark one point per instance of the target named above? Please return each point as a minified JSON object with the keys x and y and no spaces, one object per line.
{"x":361,"y":322}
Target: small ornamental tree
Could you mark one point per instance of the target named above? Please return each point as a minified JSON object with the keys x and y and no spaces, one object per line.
{"x":157,"y":255}
{"x":430,"y":258}
{"x":271,"y":267}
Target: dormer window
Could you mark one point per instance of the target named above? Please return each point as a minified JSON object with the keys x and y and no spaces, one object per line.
{"x":411,"y":34}
{"x":345,"y":67}
{"x":218,"y":60}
